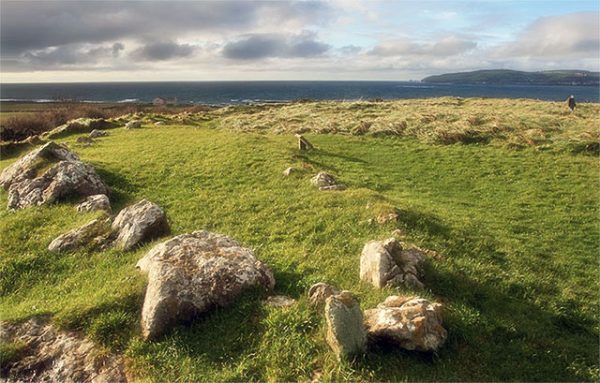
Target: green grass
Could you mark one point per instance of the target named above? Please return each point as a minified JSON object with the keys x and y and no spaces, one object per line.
{"x":517,"y":233}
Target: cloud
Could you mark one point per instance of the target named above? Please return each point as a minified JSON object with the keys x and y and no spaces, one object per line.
{"x":571,"y":35}
{"x":33,"y":25}
{"x":448,"y":46}
{"x":71,"y":54}
{"x":163,"y":50}
{"x":260,"y":46}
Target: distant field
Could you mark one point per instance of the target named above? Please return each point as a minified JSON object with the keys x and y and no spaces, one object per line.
{"x":515,"y":221}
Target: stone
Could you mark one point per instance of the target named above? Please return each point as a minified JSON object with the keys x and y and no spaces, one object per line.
{"x":138,"y":223}
{"x":280,"y":301}
{"x":98,"y":133}
{"x":133,"y":124}
{"x":159,"y":123}
{"x":95,"y":231}
{"x":411,"y":323}
{"x":288,"y":171}
{"x":303,"y":143}
{"x":97,"y":202}
{"x":323,"y":179}
{"x":50,"y":355}
{"x":387,"y":263}
{"x":84,"y":140}
{"x":26,"y":166}
{"x":80,"y":125}
{"x":191,"y":273}
{"x":386,"y":218}
{"x":60,"y":180}
{"x":319,"y":292}
{"x":346,"y":333}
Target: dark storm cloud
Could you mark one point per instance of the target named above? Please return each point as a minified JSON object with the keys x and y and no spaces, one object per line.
{"x":69,"y":55}
{"x":163,"y":50}
{"x":259,"y":46}
{"x":35,"y":25}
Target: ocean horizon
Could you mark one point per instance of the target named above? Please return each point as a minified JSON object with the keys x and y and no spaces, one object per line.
{"x":240,"y":92}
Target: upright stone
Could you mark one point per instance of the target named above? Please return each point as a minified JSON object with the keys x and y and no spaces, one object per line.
{"x":345,"y":330}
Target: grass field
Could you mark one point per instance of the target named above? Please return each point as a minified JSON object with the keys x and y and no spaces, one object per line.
{"x":516,"y":232}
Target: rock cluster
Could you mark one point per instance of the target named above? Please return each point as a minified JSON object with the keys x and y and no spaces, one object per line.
{"x":48,"y":174}
{"x":50,"y":355}
{"x":411,"y":323}
{"x":325,"y":181}
{"x":387,"y":263}
{"x":191,"y":273}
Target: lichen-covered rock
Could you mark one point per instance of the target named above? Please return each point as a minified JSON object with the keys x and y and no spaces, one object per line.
{"x":411,"y":323}
{"x":133,"y":124}
{"x":50,"y":355}
{"x":80,"y":125}
{"x":191,"y":273}
{"x":319,"y":292}
{"x":386,"y":263}
{"x":98,"y":202}
{"x":138,"y":223}
{"x":98,"y":133}
{"x":325,"y":181}
{"x":346,"y":334}
{"x":63,"y":179}
{"x":27,"y":166}
{"x":95,"y":231}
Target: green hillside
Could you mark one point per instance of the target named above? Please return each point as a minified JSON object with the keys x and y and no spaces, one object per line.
{"x":514,"y":220}
{"x":504,"y":76}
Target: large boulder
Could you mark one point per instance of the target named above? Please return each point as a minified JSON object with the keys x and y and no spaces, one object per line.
{"x":95,"y":231}
{"x":387,"y":263}
{"x":28,"y":165}
{"x":98,"y":202}
{"x":411,"y":323}
{"x":346,"y":334}
{"x":138,"y":223}
{"x":80,"y":125}
{"x":50,"y":355}
{"x":191,"y":273}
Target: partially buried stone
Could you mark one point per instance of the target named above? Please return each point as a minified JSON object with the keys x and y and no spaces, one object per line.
{"x":94,"y":203}
{"x":345,"y":330}
{"x":138,"y":223}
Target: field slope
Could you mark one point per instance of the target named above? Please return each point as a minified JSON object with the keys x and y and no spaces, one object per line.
{"x":516,"y":232}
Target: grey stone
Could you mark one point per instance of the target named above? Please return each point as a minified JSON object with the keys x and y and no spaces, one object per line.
{"x":133,"y":124}
{"x":346,"y":334}
{"x":95,"y":231}
{"x":138,"y":223}
{"x":319,"y":292}
{"x":191,"y":273}
{"x":97,"y":202}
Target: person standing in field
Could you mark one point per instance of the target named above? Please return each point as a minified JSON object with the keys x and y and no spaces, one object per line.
{"x":571,"y":103}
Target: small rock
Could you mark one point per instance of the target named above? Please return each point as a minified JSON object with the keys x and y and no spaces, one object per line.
{"x":98,"y":133}
{"x":280,"y":301}
{"x":386,"y":263}
{"x":386,"y":217}
{"x":139,"y":223}
{"x":158,"y":123}
{"x":345,"y":330}
{"x":95,"y":231}
{"x":95,"y":203}
{"x":323,"y":179}
{"x":84,"y":140}
{"x":191,"y":273}
{"x":411,"y":323}
{"x":288,"y":171}
{"x":319,"y":292}
{"x":51,"y":355}
{"x":133,"y":124}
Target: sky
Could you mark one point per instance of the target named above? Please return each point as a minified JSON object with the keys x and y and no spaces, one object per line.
{"x":83,"y":41}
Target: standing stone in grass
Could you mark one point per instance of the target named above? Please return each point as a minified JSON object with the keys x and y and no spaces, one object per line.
{"x":138,"y":223}
{"x":345,"y":330}
{"x":133,"y":124}
{"x":94,"y":232}
{"x":191,"y":273}
{"x":94,"y":203}
{"x":411,"y":323}
{"x":51,"y":355}
{"x":325,"y":181}
{"x":98,"y":133}
{"x":387,"y":263}
{"x":319,"y":292}
{"x":47,"y":174}
{"x":288,"y":171}
{"x":303,"y":143}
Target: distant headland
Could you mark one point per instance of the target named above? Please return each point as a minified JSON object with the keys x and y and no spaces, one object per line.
{"x":514,"y":77}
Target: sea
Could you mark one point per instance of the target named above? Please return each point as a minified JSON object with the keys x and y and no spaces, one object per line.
{"x":244,"y":92}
